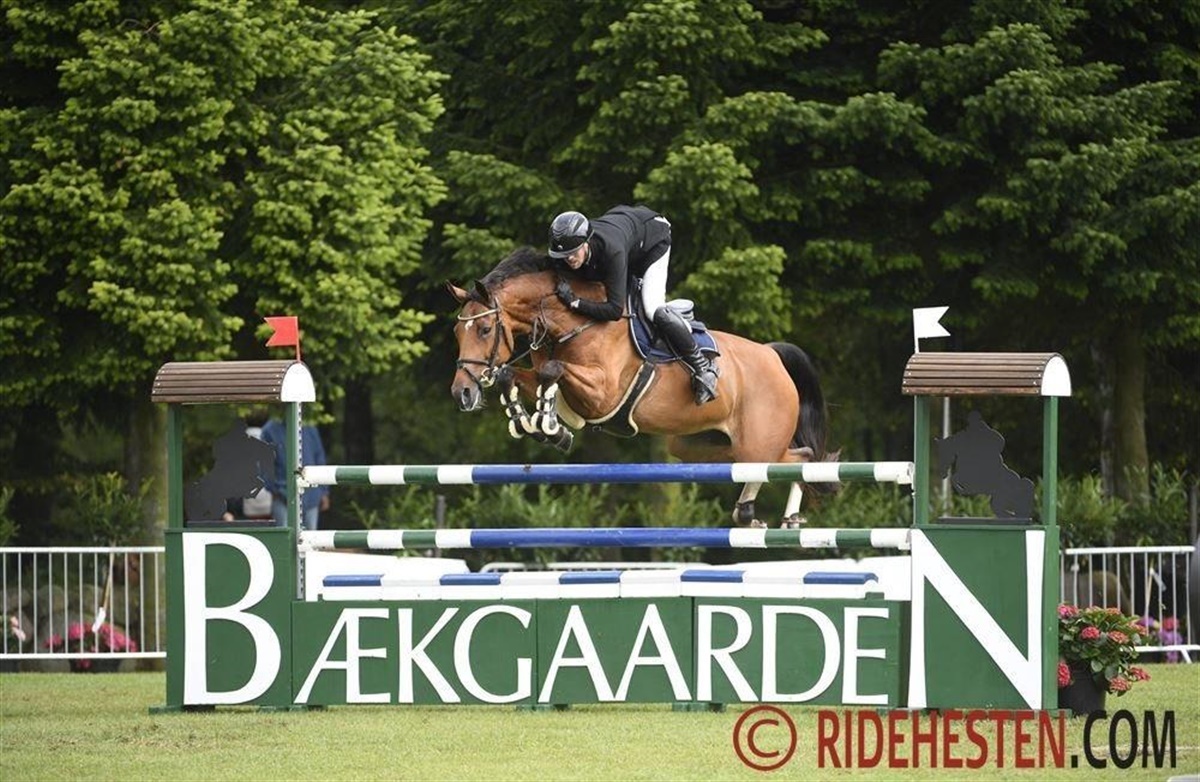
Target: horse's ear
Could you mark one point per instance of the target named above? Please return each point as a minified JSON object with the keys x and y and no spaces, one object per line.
{"x":458,"y":293}
{"x":482,"y":292}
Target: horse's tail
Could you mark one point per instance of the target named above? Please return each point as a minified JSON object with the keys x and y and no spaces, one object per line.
{"x":812,"y":426}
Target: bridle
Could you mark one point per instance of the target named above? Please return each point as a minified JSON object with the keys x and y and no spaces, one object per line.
{"x":487,"y":377}
{"x":539,"y":332}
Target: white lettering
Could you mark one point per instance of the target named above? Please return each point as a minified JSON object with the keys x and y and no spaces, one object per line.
{"x":707,"y":654}
{"x":197,"y":614}
{"x":348,"y":619}
{"x":853,"y":654}
{"x":462,"y":656}
{"x":829,"y":667}
{"x":575,"y":627}
{"x":1023,"y":672}
{"x":652,"y":626}
{"x":410,"y":654}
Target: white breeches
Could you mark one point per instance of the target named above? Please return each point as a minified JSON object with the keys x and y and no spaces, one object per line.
{"x":654,"y":283}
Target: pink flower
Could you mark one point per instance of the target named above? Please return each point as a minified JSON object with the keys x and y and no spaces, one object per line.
{"x":1118,"y":637}
{"x":1113,"y":611}
{"x":1064,"y":675}
{"x":1139,"y":673}
{"x":1089,"y":633}
{"x":1065,"y":610}
{"x":1118,"y":684}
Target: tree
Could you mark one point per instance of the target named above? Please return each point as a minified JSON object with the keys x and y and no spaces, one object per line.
{"x":1059,"y":194}
{"x":179,"y":172}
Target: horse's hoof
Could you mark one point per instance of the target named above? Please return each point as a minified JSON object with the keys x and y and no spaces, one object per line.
{"x":756,"y":524}
{"x":793,"y":522}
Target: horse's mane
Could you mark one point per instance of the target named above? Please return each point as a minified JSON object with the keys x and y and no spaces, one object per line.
{"x":523,"y":260}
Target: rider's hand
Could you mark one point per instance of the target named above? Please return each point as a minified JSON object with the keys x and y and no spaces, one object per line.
{"x":565,"y":294}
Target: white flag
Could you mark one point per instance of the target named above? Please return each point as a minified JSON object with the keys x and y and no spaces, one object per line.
{"x":925,"y":324}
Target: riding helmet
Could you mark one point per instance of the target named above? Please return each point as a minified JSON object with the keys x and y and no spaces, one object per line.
{"x":567,"y":232}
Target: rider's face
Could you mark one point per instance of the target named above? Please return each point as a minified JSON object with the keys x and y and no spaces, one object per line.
{"x":577,"y":258}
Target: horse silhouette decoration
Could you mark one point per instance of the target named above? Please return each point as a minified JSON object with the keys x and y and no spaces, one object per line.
{"x":973,"y":457}
{"x":239,"y":461}
{"x":770,"y":406}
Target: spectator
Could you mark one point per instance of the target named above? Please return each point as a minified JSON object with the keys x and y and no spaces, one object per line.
{"x":314,"y":499}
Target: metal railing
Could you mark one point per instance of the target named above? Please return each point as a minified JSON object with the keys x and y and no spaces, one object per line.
{"x":1146,"y":581}
{"x":98,"y":603}
{"x":83,"y":603}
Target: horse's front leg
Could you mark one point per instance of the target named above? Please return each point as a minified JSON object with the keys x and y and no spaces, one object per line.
{"x":509,"y":382}
{"x":545,"y":417}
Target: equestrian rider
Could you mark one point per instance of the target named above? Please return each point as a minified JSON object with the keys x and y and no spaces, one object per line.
{"x":629,"y":243}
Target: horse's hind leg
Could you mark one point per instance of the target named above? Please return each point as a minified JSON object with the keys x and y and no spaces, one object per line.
{"x":791,"y":512}
{"x":743,"y":511}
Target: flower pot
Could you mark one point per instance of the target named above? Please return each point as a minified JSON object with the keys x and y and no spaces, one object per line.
{"x":1082,"y":695}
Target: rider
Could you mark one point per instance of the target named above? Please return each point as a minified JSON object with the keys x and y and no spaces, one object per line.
{"x":629,"y":242}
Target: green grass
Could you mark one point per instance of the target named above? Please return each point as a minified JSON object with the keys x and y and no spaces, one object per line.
{"x":98,"y":727}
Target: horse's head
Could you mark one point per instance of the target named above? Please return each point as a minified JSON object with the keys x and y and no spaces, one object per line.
{"x":485,"y":343}
{"x":500,"y":307}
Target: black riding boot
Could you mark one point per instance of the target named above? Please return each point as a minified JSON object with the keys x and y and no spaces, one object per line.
{"x":678,"y":334}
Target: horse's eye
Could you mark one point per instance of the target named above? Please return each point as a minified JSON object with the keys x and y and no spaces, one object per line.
{"x":485,"y":330}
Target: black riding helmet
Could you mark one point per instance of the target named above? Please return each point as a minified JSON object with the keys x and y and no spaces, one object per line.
{"x":567,"y":232}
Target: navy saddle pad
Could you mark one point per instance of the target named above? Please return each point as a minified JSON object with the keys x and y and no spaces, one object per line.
{"x":657,"y":352}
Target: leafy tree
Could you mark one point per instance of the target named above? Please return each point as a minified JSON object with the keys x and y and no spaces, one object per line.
{"x":179,"y":170}
{"x":1058,"y":193}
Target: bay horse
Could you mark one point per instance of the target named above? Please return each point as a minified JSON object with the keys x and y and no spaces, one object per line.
{"x":770,"y":407}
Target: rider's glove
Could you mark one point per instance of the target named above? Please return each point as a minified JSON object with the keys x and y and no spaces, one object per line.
{"x":565,"y":294}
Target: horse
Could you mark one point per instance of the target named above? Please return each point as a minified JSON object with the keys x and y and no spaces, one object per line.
{"x":769,"y":408}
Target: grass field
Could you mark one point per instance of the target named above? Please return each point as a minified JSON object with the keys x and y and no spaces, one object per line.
{"x":98,"y":727}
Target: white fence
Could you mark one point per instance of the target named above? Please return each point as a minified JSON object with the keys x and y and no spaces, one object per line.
{"x":1146,"y":581}
{"x":104,"y":605}
{"x":91,"y":607}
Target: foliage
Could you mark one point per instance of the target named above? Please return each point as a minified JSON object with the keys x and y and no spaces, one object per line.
{"x":1086,"y":516}
{"x":407,"y":507}
{"x":858,"y":506}
{"x":8,"y":526}
{"x":515,"y":506}
{"x":1101,"y":642}
{"x":103,"y":511}
{"x":676,"y":506}
{"x":1162,"y":517}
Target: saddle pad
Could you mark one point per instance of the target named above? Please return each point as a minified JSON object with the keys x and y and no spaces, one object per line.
{"x":655,"y":353}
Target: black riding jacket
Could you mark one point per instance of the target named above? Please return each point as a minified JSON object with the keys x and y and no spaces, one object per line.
{"x":625,"y":240}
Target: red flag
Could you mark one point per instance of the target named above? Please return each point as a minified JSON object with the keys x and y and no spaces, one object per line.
{"x":287,"y":332}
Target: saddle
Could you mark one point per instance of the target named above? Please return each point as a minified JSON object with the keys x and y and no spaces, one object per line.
{"x":619,"y":422}
{"x":655,"y":350}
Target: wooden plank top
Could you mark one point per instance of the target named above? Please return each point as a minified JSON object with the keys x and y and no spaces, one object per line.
{"x":986,"y":374}
{"x":213,"y":382}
